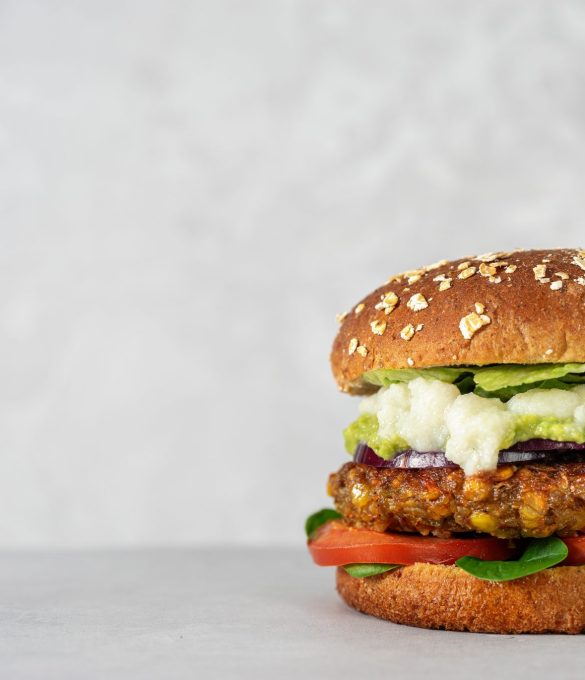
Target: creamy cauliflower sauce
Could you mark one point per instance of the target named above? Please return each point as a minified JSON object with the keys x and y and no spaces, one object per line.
{"x":431,"y":415}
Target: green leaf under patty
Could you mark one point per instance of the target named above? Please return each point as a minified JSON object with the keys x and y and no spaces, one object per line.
{"x":540,"y":554}
{"x":365,"y":570}
{"x":319,"y":518}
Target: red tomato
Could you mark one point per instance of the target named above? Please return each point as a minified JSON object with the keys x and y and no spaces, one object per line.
{"x":576,"y":545}
{"x":336,"y":544}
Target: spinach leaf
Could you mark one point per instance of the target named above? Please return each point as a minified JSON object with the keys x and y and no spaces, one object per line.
{"x":540,"y":554}
{"x":318,"y":518}
{"x":365,"y":570}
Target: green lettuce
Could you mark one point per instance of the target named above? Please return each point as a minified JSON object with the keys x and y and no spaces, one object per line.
{"x":502,"y":381}
{"x":385,"y":376}
{"x":492,"y":378}
{"x":506,"y":393}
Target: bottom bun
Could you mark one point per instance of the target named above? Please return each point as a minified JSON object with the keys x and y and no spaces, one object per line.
{"x":446,"y":597}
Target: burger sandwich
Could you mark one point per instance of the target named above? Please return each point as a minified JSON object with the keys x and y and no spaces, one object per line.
{"x":463,"y":506}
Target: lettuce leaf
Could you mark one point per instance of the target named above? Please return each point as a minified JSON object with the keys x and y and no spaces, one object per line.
{"x":385,"y":376}
{"x":492,"y":378}
{"x":502,"y":381}
{"x":506,"y":393}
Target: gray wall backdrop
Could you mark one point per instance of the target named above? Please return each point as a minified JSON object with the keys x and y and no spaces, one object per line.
{"x":189,"y":191}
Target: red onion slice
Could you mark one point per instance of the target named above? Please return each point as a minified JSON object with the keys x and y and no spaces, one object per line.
{"x":558,"y":452}
{"x":546,"y":445}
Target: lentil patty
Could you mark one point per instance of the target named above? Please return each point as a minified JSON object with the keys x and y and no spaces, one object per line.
{"x":529,"y":500}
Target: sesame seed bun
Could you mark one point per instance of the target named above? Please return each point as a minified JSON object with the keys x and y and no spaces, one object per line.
{"x":446,"y":597}
{"x":521,"y":307}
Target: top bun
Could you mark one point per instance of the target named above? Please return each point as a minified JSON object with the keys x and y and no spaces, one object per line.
{"x":520,"y":307}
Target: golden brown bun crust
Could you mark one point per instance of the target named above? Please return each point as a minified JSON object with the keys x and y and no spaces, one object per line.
{"x":523,"y":317}
{"x":446,"y":597}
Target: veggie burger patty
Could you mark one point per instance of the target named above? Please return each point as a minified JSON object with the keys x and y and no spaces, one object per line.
{"x":532,"y":500}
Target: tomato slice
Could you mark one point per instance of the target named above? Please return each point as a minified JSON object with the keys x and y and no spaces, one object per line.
{"x":576,"y":545}
{"x":335,"y":544}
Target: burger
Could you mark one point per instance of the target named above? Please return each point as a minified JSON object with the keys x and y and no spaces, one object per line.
{"x":463,"y":506}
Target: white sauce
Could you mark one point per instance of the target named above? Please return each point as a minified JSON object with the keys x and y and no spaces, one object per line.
{"x":433,"y":416}
{"x":545,"y":403}
{"x":477,"y":428}
{"x":424,"y":426}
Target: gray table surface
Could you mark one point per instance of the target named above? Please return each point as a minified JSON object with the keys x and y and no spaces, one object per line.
{"x":229,"y":613}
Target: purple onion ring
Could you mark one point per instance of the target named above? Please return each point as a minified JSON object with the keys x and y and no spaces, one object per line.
{"x":539,"y":450}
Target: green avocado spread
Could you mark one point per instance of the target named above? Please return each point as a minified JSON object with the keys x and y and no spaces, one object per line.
{"x":365,"y":429}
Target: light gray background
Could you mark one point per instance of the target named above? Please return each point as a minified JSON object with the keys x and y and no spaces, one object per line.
{"x":180,"y":613}
{"x":189,"y":191}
